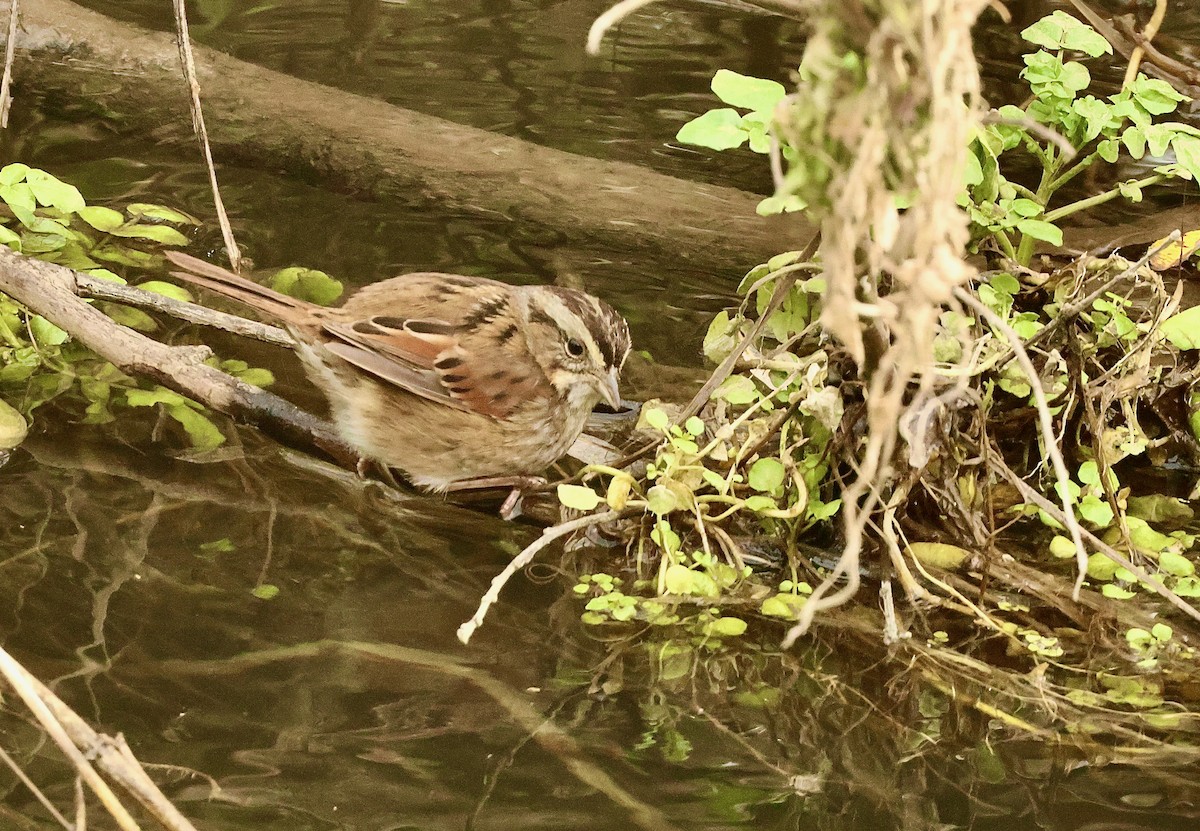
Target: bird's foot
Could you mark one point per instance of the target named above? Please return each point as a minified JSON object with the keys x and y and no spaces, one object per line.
{"x":519,"y":485}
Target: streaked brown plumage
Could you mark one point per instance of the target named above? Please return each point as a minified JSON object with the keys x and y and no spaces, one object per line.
{"x":449,"y":377}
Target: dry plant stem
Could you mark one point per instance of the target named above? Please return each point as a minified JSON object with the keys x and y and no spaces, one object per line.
{"x":1066,"y":150}
{"x":99,"y":289}
{"x":610,"y":18}
{"x":23,"y":683}
{"x":189,"y":73}
{"x":1031,"y":495}
{"x":111,"y":755}
{"x":10,"y":51}
{"x":1135,"y":60}
{"x":35,"y":790}
{"x":1046,"y":424}
{"x":1074,"y":309}
{"x":50,"y":290}
{"x":523,"y":559}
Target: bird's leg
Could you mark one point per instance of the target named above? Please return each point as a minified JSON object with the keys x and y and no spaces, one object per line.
{"x":520,"y":485}
{"x":366,"y":466}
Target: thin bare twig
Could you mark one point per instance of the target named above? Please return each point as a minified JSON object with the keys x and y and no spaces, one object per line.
{"x":186,"y":58}
{"x":35,"y":790}
{"x":1050,"y":447}
{"x":99,"y":289}
{"x":1139,"y":51}
{"x":24,"y":685}
{"x":523,"y":559}
{"x":10,"y":50}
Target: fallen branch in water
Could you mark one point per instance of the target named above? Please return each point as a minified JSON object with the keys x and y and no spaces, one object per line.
{"x":53,"y":292}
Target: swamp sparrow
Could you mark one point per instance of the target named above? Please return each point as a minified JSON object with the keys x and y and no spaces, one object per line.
{"x":446,"y":377}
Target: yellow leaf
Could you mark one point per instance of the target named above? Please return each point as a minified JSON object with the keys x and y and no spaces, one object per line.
{"x":1172,"y":255}
{"x":939,"y":554}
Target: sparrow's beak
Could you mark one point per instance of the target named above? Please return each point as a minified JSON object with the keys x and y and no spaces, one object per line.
{"x":607,"y":387}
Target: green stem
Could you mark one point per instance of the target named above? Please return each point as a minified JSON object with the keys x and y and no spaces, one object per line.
{"x":1099,"y":199}
{"x":1042,"y":196}
{"x":1073,"y":171}
{"x":1006,"y":245}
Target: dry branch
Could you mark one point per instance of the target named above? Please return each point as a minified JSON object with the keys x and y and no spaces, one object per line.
{"x":53,"y":292}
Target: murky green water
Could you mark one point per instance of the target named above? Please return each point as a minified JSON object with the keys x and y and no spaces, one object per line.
{"x":345,"y":702}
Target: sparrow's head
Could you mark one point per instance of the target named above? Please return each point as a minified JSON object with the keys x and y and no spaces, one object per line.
{"x":580,"y":342}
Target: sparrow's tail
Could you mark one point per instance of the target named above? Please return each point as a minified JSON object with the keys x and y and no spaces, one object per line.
{"x":222,"y":281}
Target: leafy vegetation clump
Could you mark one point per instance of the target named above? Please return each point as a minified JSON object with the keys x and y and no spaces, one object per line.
{"x":47,"y":218}
{"x":1006,"y":470}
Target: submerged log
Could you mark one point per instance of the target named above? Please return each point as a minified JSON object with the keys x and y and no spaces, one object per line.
{"x":260,"y":117}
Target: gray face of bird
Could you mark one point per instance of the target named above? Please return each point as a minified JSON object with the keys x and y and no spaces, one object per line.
{"x":580,"y":342}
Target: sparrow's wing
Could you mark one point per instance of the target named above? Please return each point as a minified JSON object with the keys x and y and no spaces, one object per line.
{"x":476,"y":360}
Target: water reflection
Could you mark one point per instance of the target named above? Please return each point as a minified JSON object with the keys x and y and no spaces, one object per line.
{"x":343,"y":701}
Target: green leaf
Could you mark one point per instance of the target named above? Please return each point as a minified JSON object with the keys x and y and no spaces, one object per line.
{"x":1161,"y":632}
{"x":256,"y":376}
{"x":307,"y":284}
{"x":223,"y":545}
{"x":773,"y":205}
{"x":1183,"y":329}
{"x":680,"y":579}
{"x":717,"y":129}
{"x":130,"y":317}
{"x":265,"y":592}
{"x":737,"y":389}
{"x":1089,"y":473}
{"x":1154,"y":96}
{"x":939,"y":554}
{"x":725,"y":627}
{"x":1096,"y":510}
{"x":694,"y":426}
{"x":1134,"y":140}
{"x":102,"y":219}
{"x":166,"y":290}
{"x":661,"y":500}
{"x":148,"y":398}
{"x":656,"y":418}
{"x":758,"y":94}
{"x":1062,"y":31}
{"x":1187,"y":587}
{"x":201,"y":432}
{"x":10,"y":174}
{"x":157,"y":233}
{"x":1041,"y":230}
{"x":46,"y":333}
{"x":1187,"y":154}
{"x":161,"y":213}
{"x":1062,"y":547}
{"x":13,"y":427}
{"x":1176,"y":564}
{"x":1100,"y":567}
{"x":758,"y":502}
{"x":53,"y":193}
{"x":9,"y":238}
{"x":578,"y":497}
{"x":785,"y":605}
{"x":18,"y":195}
{"x":766,"y":475}
{"x":1115,"y":592}
{"x":1158,"y":507}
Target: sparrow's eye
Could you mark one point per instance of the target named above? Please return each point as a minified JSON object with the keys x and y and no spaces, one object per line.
{"x":574,"y":348}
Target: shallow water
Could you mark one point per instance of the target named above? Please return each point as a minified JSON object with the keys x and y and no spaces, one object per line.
{"x":344,"y":701}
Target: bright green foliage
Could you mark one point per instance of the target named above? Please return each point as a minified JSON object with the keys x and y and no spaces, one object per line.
{"x":1012,"y":217}
{"x":307,"y":284}
{"x":49,"y":219}
{"x":725,"y":128}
